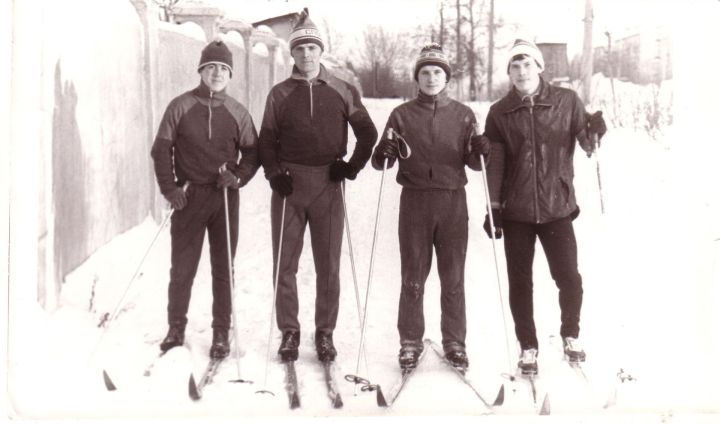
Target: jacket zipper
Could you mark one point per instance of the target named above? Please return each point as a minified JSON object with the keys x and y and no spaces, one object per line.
{"x":210,"y":117}
{"x":311,"y":100}
{"x":534,"y":160}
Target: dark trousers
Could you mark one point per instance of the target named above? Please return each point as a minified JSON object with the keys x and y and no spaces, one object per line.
{"x":558,"y":241}
{"x":205,"y":212}
{"x":315,"y":202}
{"x":439,"y":219}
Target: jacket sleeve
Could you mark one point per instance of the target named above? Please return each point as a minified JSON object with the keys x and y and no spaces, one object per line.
{"x":363,"y":128}
{"x":496,"y":162}
{"x":248,"y":146}
{"x":164,"y":147}
{"x":268,"y":140}
{"x":579,"y":125}
{"x":472,"y":160}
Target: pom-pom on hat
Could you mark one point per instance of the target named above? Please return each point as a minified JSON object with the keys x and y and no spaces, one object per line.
{"x":432,"y":54}
{"x":528,"y":48}
{"x":305,"y":31}
{"x":216,"y":52}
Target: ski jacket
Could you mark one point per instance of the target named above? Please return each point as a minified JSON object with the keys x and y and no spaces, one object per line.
{"x":200,"y":132}
{"x":306,"y":123}
{"x":437,"y":129}
{"x":530,"y":171}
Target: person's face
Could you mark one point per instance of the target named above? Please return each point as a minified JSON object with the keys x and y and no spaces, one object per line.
{"x":216,"y":76}
{"x":431,"y":79}
{"x":307,"y":58}
{"x":524,"y":74}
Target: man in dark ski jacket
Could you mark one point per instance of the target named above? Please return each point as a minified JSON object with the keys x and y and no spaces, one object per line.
{"x":202,"y":130}
{"x":303,"y":140}
{"x":432,"y":136}
{"x":532,"y":132}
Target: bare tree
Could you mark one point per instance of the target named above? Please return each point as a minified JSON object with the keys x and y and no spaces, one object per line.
{"x":587,"y":57}
{"x":166,"y":8}
{"x":384,"y":62}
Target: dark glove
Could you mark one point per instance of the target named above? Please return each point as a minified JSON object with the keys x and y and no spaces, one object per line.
{"x":282,"y":184}
{"x":341,"y":170}
{"x":596,"y":124}
{"x":497,"y":221}
{"x":227,"y":179}
{"x":177,"y":198}
{"x":386,"y":149}
{"x":480,"y":145}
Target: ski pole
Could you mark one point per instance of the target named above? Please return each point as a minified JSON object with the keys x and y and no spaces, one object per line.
{"x":274,"y":298}
{"x":494,"y":247}
{"x":231,"y":281}
{"x":370,"y":270}
{"x":597,"y":169}
{"x":352,"y":266}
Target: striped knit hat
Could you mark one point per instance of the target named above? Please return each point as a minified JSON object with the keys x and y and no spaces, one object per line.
{"x":305,"y":31}
{"x":528,"y":48}
{"x":432,"y":54}
{"x":216,"y":52}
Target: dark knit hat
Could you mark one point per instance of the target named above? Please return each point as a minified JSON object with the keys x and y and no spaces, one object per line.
{"x":216,"y":52}
{"x":305,"y":31}
{"x":432,"y":54}
{"x":527,"y":48}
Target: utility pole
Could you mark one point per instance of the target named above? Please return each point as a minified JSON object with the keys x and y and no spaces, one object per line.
{"x":587,"y":62}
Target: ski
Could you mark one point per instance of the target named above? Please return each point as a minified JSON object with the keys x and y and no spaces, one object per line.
{"x":461,"y":374}
{"x":332,"y":386}
{"x":195,"y":390}
{"x":403,"y":379}
{"x":291,"y":384}
{"x":110,"y":385}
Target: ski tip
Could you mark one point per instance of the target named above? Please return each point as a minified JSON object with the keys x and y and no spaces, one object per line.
{"x":294,"y":401}
{"x":381,"y":402}
{"x":500,"y":399}
{"x":108,"y":382}
{"x":545,"y":409}
{"x":193,"y":391}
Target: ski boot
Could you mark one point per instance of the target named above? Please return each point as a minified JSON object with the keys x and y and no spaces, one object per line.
{"x":458,"y":359}
{"x":288,"y":350}
{"x":324,"y":345}
{"x":408,"y":357}
{"x":573,"y":350}
{"x":220,"y":344}
{"x":175,"y":337}
{"x":528,"y":361}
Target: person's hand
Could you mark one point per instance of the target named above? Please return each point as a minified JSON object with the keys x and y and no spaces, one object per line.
{"x":227,"y":179}
{"x":480,"y":145}
{"x":282,"y":184}
{"x":387,"y":149}
{"x":177,"y":198}
{"x":497,"y":221}
{"x":596,"y":124}
{"x":341,"y":170}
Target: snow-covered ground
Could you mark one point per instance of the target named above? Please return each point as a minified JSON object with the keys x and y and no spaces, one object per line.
{"x":650,"y":293}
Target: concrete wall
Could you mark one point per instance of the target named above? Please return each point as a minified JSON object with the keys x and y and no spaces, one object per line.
{"x":88,"y":92}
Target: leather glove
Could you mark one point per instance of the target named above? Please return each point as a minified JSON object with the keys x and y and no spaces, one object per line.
{"x":227,"y":179}
{"x":177,"y":198}
{"x":480,"y":145}
{"x":596,"y":124}
{"x":341,"y":170}
{"x":282,"y":184}
{"x":387,"y":149}
{"x":497,"y":221}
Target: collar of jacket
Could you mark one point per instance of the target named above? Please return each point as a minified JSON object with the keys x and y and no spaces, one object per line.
{"x":441,"y":98}
{"x":202,"y":91}
{"x":541,"y":98}
{"x":323,"y":76}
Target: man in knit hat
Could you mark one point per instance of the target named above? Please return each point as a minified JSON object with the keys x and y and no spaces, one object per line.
{"x":432,"y":139}
{"x":533,"y":130}
{"x":206,"y":143}
{"x":303,"y":142}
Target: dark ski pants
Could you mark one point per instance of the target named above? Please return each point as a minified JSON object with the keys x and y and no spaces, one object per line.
{"x":558,"y":241}
{"x":205,"y":212}
{"x":439,"y":219}
{"x":315,"y":202}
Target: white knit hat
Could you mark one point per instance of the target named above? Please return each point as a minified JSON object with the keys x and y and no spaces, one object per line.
{"x":528,"y":48}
